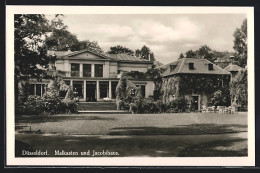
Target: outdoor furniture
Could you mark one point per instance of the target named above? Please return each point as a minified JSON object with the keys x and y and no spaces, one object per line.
{"x":204,"y":109}
{"x":211,"y":109}
{"x":222,"y":109}
{"x":233,"y":110}
{"x":107,"y":99}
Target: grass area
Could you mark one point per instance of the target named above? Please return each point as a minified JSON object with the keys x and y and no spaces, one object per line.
{"x":137,"y":146}
{"x":164,"y":135}
{"x":134,"y":124}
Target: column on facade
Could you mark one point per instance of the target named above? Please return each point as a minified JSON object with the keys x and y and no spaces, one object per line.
{"x":106,"y":69}
{"x":80,"y":70}
{"x":98,"y":90}
{"x":67,"y":67}
{"x":84,"y":90}
{"x":92,"y":70}
{"x":110,"y":89}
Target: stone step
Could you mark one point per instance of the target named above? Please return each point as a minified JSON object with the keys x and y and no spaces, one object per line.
{"x":103,"y":112}
{"x":96,"y":106}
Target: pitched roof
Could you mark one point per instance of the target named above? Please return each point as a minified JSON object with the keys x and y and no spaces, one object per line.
{"x":200,"y":67}
{"x":128,"y":58}
{"x":114,"y":57}
{"x":232,"y":67}
{"x":83,"y":51}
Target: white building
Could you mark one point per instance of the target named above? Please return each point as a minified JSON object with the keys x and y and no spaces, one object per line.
{"x":94,"y":76}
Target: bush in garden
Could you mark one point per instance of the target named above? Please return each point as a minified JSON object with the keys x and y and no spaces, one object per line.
{"x":50,"y":103}
{"x":142,"y":106}
{"x":33,"y":105}
{"x":70,"y":106}
{"x":177,"y":105}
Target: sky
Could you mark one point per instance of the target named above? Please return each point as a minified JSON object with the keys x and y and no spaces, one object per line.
{"x":167,"y":35}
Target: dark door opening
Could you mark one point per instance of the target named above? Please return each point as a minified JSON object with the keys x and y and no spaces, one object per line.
{"x":91,"y":91}
{"x":195,"y":103}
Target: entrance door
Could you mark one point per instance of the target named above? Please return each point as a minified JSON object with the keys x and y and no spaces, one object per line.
{"x":195,"y":102}
{"x":91,"y":91}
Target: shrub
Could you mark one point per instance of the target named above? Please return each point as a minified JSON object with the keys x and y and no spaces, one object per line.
{"x":70,"y":106}
{"x":50,"y":103}
{"x":177,"y":105}
{"x":142,"y":106}
{"x":33,"y":105}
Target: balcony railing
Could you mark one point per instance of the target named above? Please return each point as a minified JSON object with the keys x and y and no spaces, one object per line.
{"x":86,"y":74}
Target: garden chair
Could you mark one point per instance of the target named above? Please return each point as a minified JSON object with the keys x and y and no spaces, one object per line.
{"x":222,"y":109}
{"x":233,"y":110}
{"x":204,"y":109}
{"x":211,"y":109}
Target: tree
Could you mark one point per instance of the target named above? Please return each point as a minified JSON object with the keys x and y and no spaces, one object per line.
{"x":181,"y":56}
{"x":204,"y":52}
{"x":61,"y":39}
{"x":120,"y":49}
{"x":145,"y":53}
{"x":190,"y":54}
{"x":240,"y":44}
{"x":91,"y":45}
{"x":238,"y":90}
{"x":30,"y":51}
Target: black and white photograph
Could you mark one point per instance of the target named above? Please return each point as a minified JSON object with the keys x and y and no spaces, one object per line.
{"x":130,"y":85}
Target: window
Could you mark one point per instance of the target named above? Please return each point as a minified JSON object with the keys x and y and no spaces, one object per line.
{"x":142,"y":89}
{"x":86,"y":70}
{"x":172,"y":67}
{"x":210,"y":66}
{"x":37,"y":89}
{"x":103,"y":89}
{"x":113,"y":88}
{"x":191,"y":65}
{"x":98,"y":70}
{"x":75,"y":70}
{"x":63,"y":93}
{"x":78,"y":89}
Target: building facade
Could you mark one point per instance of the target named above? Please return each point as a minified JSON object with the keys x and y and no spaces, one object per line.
{"x":192,"y":79}
{"x":94,"y":76}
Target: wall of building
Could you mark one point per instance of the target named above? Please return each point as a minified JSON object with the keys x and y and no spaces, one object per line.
{"x":113,"y":69}
{"x":123,"y":66}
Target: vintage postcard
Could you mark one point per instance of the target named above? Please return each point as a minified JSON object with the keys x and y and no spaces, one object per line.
{"x":130,"y":86}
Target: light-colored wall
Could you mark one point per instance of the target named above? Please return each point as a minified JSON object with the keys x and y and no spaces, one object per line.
{"x":133,"y":67}
{"x":149,"y":88}
{"x":113,"y":69}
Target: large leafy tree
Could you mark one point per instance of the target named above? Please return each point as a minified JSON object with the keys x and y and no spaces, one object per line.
{"x":238,"y":89}
{"x":30,"y":52}
{"x":181,"y":56}
{"x":240,"y":44}
{"x":120,"y":49}
{"x":205,"y":52}
{"x":190,"y":54}
{"x":60,"y":38}
{"x":145,"y":53}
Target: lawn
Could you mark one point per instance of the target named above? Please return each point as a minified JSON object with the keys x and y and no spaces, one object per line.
{"x":154,"y":135}
{"x":134,"y":124}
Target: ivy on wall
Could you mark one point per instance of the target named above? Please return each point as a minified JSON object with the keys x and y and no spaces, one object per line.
{"x":179,"y":85}
{"x":238,"y":90}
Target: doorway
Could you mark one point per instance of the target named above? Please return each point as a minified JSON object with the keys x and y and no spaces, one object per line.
{"x":91,"y":91}
{"x":195,"y":103}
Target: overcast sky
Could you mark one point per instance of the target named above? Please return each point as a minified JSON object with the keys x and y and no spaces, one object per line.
{"x":167,"y":35}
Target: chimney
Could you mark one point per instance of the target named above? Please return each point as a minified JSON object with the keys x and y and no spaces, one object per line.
{"x":68,"y":49}
{"x":231,"y":60}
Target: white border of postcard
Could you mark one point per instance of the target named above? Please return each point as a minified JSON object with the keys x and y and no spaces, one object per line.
{"x":125,"y":161}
